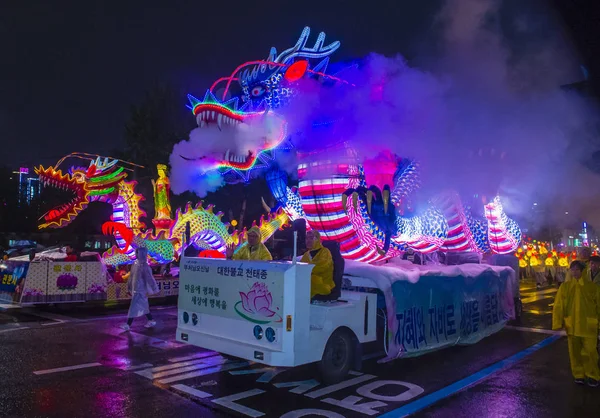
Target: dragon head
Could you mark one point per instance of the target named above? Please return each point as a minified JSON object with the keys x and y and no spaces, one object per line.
{"x":97,"y":182}
{"x":257,"y":131}
{"x":244,"y":105}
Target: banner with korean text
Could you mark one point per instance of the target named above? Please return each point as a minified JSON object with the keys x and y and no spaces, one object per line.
{"x":441,"y":311}
{"x":246,"y":290}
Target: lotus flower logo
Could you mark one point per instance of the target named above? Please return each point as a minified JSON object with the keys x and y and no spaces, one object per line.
{"x":66,"y":281}
{"x":256,"y":305}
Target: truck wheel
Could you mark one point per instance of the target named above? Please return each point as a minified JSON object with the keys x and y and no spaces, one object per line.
{"x":338,"y":357}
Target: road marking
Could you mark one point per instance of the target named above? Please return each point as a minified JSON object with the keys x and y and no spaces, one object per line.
{"x":536,"y":330}
{"x":12,"y":329}
{"x":60,"y":319}
{"x":536,"y":298}
{"x":142,"y":339}
{"x":540,"y":292}
{"x":537,"y":312}
{"x":229,"y":403}
{"x":339,"y":386}
{"x":64,"y":369}
{"x":434,"y":397}
{"x":194,"y":356}
{"x":200,"y":364}
{"x":131,"y":368}
{"x":184,"y":364}
{"x":204,"y":372}
{"x":191,"y":391}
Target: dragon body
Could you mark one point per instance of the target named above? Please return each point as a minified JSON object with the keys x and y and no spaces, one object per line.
{"x":104,"y":180}
{"x":369,"y":212}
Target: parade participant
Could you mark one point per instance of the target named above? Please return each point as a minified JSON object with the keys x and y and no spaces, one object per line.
{"x":577,"y":308}
{"x":595,"y":269}
{"x":321,"y":277}
{"x":140,"y":285}
{"x":71,"y":254}
{"x":254,"y":250}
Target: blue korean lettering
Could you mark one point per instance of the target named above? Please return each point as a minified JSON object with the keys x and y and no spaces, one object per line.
{"x":433,"y":331}
{"x":475,"y":315}
{"x":409,"y":328}
{"x":441,"y":322}
{"x":465,"y":319}
{"x":419,"y":326}
{"x":450,"y":322}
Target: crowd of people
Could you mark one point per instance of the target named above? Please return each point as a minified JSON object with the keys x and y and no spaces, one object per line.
{"x":577,"y":311}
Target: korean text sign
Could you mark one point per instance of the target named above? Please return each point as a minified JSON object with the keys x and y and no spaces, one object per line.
{"x":11,"y":274}
{"x":440,"y":311}
{"x":243,"y":290}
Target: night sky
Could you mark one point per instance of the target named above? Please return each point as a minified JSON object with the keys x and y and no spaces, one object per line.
{"x":72,"y":69}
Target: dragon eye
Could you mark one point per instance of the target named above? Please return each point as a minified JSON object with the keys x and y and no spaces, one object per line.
{"x":258,"y":91}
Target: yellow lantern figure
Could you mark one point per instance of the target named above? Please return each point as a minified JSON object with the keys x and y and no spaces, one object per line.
{"x":549,"y":261}
{"x":529,"y":253}
{"x":563,"y":262}
{"x":534,"y":261}
{"x":522,"y":263}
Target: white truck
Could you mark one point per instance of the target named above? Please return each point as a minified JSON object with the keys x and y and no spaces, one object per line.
{"x":261,"y":311}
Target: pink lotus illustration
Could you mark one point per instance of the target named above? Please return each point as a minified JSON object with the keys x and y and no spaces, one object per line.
{"x":66,"y":281}
{"x":258,"y":300}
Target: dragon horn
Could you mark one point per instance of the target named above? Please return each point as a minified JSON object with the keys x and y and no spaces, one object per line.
{"x":265,"y":206}
{"x":369,"y":200}
{"x":386,"y":199}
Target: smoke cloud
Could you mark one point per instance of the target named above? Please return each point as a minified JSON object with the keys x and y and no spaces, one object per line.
{"x":483,"y":113}
{"x":193,"y":161}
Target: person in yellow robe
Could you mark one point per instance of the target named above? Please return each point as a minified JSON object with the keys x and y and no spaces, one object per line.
{"x":321,"y":278}
{"x":577,"y":307}
{"x":253,"y":250}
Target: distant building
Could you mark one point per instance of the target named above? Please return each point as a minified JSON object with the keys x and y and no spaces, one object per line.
{"x":29,"y":186}
{"x":584,"y":235}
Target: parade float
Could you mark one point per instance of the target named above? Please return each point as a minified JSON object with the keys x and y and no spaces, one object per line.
{"x":50,"y":279}
{"x":262,"y":311}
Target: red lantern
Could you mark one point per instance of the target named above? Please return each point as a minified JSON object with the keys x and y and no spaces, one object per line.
{"x":211,"y":254}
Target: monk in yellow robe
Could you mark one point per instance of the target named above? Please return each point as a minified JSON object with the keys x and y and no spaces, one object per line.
{"x":253,"y":250}
{"x":321,"y":278}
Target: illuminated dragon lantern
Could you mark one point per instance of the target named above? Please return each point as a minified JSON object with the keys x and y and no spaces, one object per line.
{"x":364,"y":205}
{"x":104,"y":180}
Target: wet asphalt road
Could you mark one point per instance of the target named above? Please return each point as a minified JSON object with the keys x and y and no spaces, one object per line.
{"x":76,"y":362}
